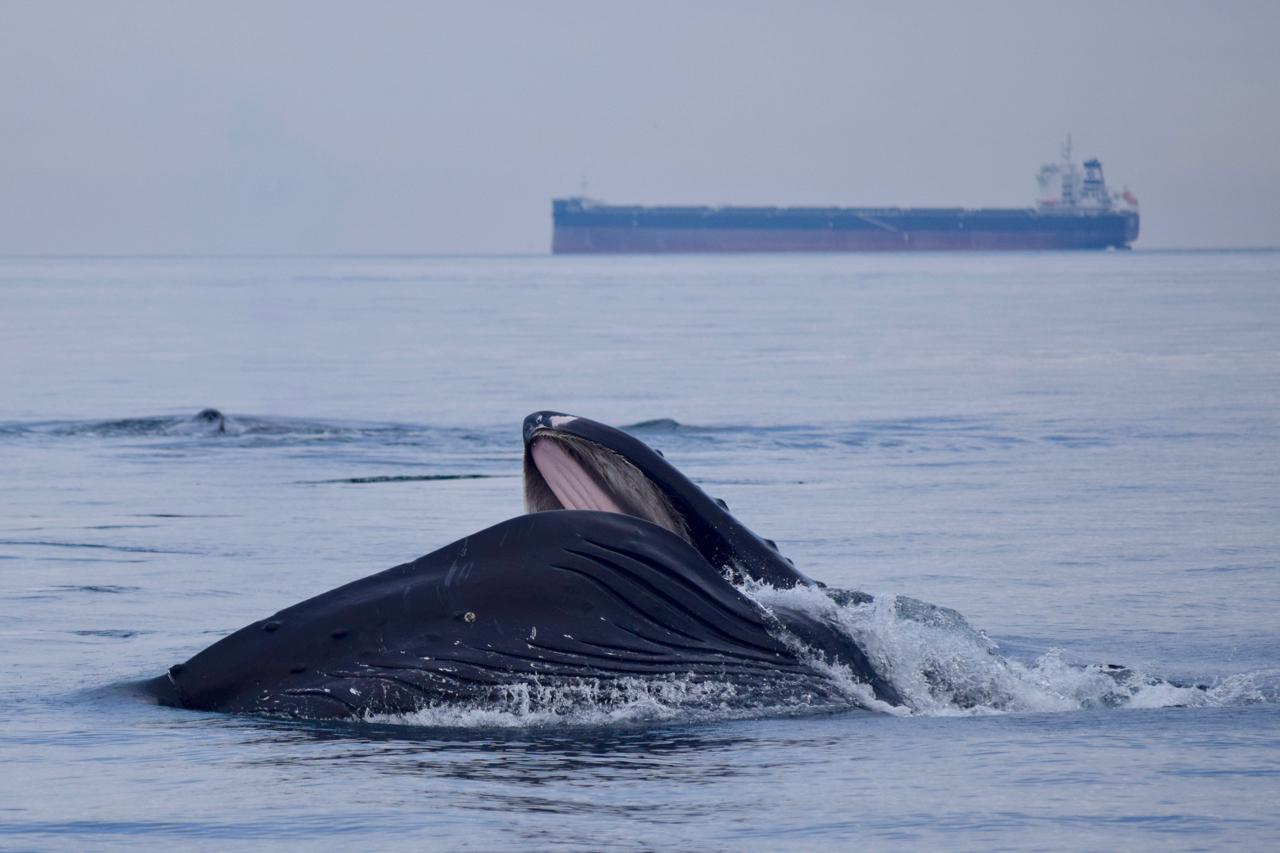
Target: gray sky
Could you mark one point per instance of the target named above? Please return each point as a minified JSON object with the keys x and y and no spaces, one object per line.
{"x":421,"y":127}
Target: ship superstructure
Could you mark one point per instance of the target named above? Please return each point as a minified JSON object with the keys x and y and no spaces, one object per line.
{"x":1063,"y":186}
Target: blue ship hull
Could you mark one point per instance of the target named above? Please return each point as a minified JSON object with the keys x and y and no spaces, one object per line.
{"x":581,"y":226}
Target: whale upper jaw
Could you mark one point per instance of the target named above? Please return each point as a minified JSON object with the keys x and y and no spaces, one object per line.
{"x":563,"y":471}
{"x":572,"y":462}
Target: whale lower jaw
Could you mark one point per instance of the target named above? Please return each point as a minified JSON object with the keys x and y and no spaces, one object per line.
{"x":598,"y":606}
{"x":562,"y":686}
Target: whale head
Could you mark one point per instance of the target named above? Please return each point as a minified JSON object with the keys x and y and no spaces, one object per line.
{"x":573,"y":463}
{"x":211,"y":420}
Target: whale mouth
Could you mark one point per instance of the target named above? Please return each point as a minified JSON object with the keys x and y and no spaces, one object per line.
{"x":563,"y":471}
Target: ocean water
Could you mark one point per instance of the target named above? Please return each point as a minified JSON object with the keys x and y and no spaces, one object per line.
{"x":1080,"y":453}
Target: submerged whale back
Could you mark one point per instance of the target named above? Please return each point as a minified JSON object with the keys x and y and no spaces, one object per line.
{"x":549,"y":598}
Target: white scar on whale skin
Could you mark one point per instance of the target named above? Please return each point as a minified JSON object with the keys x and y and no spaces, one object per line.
{"x":572,"y":486}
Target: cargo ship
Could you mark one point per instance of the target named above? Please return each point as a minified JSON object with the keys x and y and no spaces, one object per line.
{"x":1075,"y":210}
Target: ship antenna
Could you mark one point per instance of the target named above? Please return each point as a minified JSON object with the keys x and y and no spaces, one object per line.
{"x":583,"y":185}
{"x":1066,"y":149}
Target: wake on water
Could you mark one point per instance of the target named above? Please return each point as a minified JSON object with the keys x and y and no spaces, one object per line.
{"x":935,"y":659}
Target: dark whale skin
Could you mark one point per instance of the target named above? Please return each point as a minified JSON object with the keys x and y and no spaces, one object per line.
{"x":548,"y":598}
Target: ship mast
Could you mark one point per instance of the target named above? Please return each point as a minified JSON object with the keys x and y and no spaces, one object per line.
{"x":1070,"y":177}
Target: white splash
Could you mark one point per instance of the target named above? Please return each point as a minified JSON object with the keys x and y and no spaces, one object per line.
{"x":942,"y":666}
{"x":589,"y":702}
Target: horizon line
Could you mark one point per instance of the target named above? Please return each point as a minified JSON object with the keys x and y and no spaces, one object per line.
{"x":547,"y":254}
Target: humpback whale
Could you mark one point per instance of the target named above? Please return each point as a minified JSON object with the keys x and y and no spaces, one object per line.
{"x":622,"y":573}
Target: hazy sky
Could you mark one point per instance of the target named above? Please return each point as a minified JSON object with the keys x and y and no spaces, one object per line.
{"x":448,"y":127}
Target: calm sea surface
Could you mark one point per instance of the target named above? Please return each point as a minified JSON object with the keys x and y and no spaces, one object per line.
{"x":1079,"y":452}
